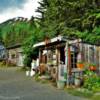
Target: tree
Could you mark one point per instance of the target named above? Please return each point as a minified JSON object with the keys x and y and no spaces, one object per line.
{"x":66,"y":16}
{"x":25,"y":33}
{"x":28,"y":50}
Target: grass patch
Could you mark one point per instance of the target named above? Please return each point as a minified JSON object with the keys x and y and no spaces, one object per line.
{"x":96,"y":97}
{"x":79,"y":92}
{"x":44,"y":81}
{"x":36,"y":77}
{"x":97,"y":90}
{"x":2,"y":65}
{"x":24,"y":69}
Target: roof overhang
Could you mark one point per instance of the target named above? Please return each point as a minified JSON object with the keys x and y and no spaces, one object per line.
{"x":14,"y":46}
{"x":59,"y":39}
{"x":53,"y":40}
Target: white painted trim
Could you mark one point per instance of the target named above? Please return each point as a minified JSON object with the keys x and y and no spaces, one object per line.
{"x":59,"y":38}
{"x":74,"y":41}
{"x":38,"y":44}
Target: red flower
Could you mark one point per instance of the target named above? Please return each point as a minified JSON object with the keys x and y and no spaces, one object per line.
{"x":92,"y":68}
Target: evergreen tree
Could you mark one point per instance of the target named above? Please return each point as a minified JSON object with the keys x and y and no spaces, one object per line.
{"x":69,"y":16}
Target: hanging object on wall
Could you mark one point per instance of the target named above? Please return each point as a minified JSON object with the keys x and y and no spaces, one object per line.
{"x":44,"y":52}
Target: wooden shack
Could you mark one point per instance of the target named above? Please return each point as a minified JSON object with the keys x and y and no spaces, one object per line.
{"x":60,"y":55}
{"x":15,"y":55}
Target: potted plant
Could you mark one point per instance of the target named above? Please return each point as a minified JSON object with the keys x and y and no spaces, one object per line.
{"x":77,"y":81}
{"x":80,"y":65}
{"x":92,"y":67}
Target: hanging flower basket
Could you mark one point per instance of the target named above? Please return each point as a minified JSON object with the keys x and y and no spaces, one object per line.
{"x":92,"y":68}
{"x":80,"y":65}
{"x":77,"y":81}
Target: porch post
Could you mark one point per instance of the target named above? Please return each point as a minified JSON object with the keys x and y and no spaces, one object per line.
{"x":39,"y":56}
{"x":69,"y":66}
{"x":66,"y":61}
{"x":57,"y":54}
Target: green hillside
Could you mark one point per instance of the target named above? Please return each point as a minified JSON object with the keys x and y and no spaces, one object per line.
{"x":15,"y":31}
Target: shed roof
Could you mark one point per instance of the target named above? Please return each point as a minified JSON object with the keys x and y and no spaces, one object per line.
{"x":53,"y":40}
{"x":14,"y":46}
{"x":57,"y":39}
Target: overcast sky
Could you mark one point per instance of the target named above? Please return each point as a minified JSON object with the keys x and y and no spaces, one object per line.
{"x":17,"y":8}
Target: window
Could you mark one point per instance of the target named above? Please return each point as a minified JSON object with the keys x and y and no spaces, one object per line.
{"x":91,"y":56}
{"x":74,"y":53}
{"x":52,"y":60}
{"x":73,"y":59}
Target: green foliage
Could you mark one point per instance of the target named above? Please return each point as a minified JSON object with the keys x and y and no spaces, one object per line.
{"x":29,"y":52}
{"x":96,"y":97}
{"x":92,"y":81}
{"x":80,"y":92}
{"x":25,"y":33}
{"x":74,"y":18}
{"x":37,"y":77}
{"x":90,"y":37}
{"x":15,"y":31}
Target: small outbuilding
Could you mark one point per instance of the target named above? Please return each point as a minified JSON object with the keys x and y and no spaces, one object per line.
{"x":60,"y":56}
{"x":15,"y":55}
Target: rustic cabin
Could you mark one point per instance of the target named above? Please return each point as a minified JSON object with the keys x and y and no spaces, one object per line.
{"x":15,"y":55}
{"x":67,"y":58}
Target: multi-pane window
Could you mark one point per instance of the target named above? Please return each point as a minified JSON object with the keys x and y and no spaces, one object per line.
{"x":91,"y":55}
{"x":73,"y":59}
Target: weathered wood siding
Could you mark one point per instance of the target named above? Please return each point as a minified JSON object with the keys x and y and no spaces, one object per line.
{"x":15,"y":56}
{"x":90,"y":54}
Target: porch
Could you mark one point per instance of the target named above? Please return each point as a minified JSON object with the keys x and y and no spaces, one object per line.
{"x":58,"y":57}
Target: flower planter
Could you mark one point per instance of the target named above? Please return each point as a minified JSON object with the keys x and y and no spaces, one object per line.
{"x":92,"y":68}
{"x":60,"y":84}
{"x":77,"y":82}
{"x":27,"y":73}
{"x":80,"y":65}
